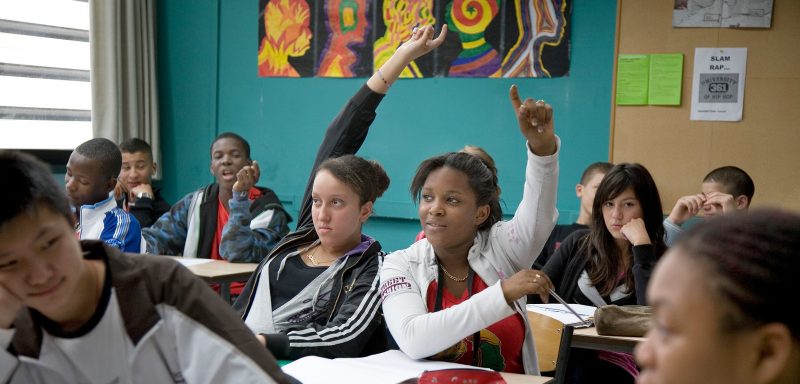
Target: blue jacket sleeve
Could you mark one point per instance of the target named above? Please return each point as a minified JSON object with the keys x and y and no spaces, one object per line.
{"x":167,"y":236}
{"x":122,"y":231}
{"x":248,"y":239}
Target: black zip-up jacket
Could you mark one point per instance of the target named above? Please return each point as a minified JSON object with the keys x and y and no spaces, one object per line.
{"x":146,"y":211}
{"x":351,"y":326}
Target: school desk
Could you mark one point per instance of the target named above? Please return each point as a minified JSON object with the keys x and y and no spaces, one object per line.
{"x":588,"y":338}
{"x":220,"y":272}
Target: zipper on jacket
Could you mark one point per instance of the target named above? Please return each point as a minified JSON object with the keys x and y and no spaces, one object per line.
{"x":341,"y":281}
{"x":260,"y":269}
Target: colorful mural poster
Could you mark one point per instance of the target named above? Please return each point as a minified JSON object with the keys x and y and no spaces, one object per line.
{"x":351,"y":38}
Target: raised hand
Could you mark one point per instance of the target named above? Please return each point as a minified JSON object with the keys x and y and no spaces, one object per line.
{"x":535,"y":119}
{"x":527,"y":282}
{"x":422,"y":42}
{"x":686,"y":207}
{"x":636,"y":232}
{"x":719,"y":203}
{"x":247,"y":177}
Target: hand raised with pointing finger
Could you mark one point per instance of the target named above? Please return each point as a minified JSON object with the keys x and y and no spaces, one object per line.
{"x":422,"y":42}
{"x":535,"y":119}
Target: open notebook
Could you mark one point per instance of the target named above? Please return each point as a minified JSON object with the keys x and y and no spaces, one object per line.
{"x":564,"y":315}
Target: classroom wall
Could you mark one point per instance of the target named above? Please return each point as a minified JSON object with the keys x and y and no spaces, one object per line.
{"x":680,"y":152}
{"x":208,"y":84}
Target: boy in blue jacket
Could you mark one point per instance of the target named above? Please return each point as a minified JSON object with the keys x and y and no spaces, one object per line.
{"x":91,"y":176}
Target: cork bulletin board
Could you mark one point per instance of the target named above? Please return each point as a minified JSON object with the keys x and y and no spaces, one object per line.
{"x":679,"y":151}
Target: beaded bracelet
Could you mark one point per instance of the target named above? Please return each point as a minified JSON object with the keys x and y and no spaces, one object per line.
{"x":382,"y":78}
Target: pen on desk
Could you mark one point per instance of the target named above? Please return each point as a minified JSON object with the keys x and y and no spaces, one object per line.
{"x":560,"y":300}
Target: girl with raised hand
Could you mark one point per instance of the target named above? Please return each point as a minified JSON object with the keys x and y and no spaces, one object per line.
{"x":316,"y":293}
{"x":459,"y":294}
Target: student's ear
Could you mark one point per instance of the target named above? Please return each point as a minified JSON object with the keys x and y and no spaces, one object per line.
{"x":579,"y":190}
{"x":773,"y":352}
{"x":111,"y":183}
{"x":482,"y":214}
{"x":366,"y":211}
{"x":742,"y":202}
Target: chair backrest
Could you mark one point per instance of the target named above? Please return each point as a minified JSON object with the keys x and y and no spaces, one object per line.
{"x":547,"y":338}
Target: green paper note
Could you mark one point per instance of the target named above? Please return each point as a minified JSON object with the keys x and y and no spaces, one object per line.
{"x":632,"y":78}
{"x":666,"y":73}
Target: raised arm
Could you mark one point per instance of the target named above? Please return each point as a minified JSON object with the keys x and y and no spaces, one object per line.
{"x":526,"y":233}
{"x":253,"y":227}
{"x":349,"y":129}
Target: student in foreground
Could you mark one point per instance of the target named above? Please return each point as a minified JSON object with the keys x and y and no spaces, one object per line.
{"x":459,"y":294}
{"x":91,"y":176}
{"x":317,"y":292}
{"x":725,"y":190}
{"x":83,"y":312}
{"x":135,"y":192}
{"x":722,"y":299}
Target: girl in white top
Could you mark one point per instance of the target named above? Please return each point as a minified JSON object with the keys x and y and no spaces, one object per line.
{"x":462,"y":288}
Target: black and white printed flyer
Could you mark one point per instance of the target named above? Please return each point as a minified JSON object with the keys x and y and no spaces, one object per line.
{"x":718,"y":83}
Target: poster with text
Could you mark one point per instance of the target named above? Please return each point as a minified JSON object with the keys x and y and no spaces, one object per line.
{"x":718,"y":83}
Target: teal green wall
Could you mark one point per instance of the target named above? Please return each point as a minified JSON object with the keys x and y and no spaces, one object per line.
{"x":208,"y":83}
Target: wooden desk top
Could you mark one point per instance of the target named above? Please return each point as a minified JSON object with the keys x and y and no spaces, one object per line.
{"x":515,"y":378}
{"x":221,"y":271}
{"x":588,"y":338}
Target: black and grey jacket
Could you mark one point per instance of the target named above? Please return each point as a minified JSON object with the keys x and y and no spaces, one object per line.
{"x":351,"y":323}
{"x":155,"y":323}
{"x":146,"y":210}
{"x":567,"y":270}
{"x":188,"y":229}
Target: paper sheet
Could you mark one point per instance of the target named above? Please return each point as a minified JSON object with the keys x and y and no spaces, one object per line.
{"x":666,"y":73}
{"x":389,"y":367}
{"x":718,"y":83}
{"x":561,"y":313}
{"x":191,"y":262}
{"x":632,"y":77}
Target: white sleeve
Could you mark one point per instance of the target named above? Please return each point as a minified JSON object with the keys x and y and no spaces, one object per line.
{"x":8,"y":362}
{"x":205,"y":357}
{"x":522,"y":238}
{"x":421,"y":334}
{"x":671,"y":232}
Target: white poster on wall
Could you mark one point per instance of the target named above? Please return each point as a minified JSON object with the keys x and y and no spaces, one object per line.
{"x":718,"y":83}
